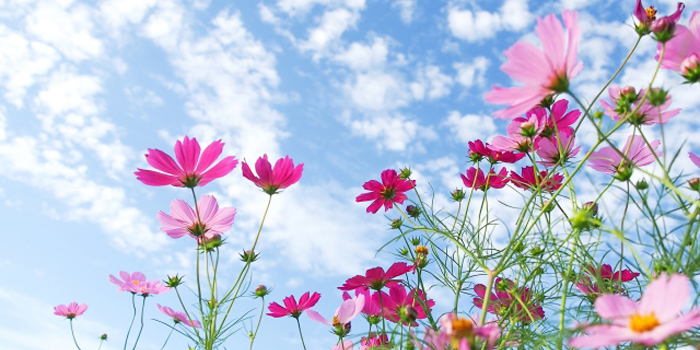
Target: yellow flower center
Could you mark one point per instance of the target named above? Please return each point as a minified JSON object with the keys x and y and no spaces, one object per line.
{"x":461,"y":327}
{"x":421,"y":249}
{"x":643,"y":323}
{"x":336,"y":322}
{"x":651,"y":13}
{"x":135,"y":282}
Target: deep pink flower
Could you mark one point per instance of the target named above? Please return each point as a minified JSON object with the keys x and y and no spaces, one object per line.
{"x":647,"y":16}
{"x":291,"y":307}
{"x":376,"y":278}
{"x":347,"y":311}
{"x":557,"y":149}
{"x":70,"y":311}
{"x":509,"y":301}
{"x":479,"y":150}
{"x":481,"y":182}
{"x":389,"y":191}
{"x":527,"y":180}
{"x":620,"y":106}
{"x":685,"y":43}
{"x":136,"y":284}
{"x":636,"y":154}
{"x":649,"y":321}
{"x":543,"y":71}
{"x":212,"y":220}
{"x":395,"y":303}
{"x":695,"y":159}
{"x":559,"y":121}
{"x":190,"y":169}
{"x":271,"y":180}
{"x":179,"y":317}
{"x":604,"y":279}
{"x":523,"y":132}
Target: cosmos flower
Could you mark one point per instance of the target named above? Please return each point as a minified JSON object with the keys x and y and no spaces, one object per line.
{"x":184,"y":220}
{"x":549,"y":149}
{"x":479,"y":150}
{"x":460,"y":333}
{"x":636,"y":154}
{"x":681,"y":48}
{"x":375,"y":278}
{"x":527,"y":180}
{"x":507,"y":300}
{"x":179,"y":316}
{"x":70,"y":311}
{"x":649,"y":321}
{"x":136,"y":283}
{"x":479,"y":181}
{"x":647,"y":16}
{"x":604,"y":278}
{"x":270,"y":179}
{"x":347,"y":311}
{"x":291,"y":307}
{"x":389,"y":191}
{"x":621,"y":105}
{"x":190,"y":170}
{"x":543,"y":71}
{"x":397,"y":302}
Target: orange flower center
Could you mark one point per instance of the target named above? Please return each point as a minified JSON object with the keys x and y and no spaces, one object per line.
{"x":651,"y":13}
{"x":643,"y":323}
{"x":336,"y":322}
{"x":135,"y":282}
{"x":421,"y":249}
{"x":461,"y":327}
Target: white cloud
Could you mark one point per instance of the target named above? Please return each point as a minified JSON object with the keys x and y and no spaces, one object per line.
{"x":472,"y":74}
{"x":301,"y":7}
{"x":378,"y":91}
{"x":477,"y":25}
{"x":431,"y":82}
{"x":393,"y":132}
{"x":332,"y":25}
{"x":117,"y":14}
{"x":361,"y":57}
{"x":469,"y":127}
{"x":406,"y":9}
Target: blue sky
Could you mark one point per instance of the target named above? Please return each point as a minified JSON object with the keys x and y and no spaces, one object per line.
{"x":348,"y":87}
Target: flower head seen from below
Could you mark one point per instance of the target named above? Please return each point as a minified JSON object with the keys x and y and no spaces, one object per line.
{"x":206,"y":222}
{"x":179,"y":317}
{"x":635,"y":153}
{"x":136,"y":283}
{"x":603,"y":279}
{"x":460,"y":333}
{"x":529,"y":180}
{"x":70,"y":311}
{"x":398,"y":303}
{"x":391,"y":190}
{"x":508,"y":301}
{"x":347,"y":311}
{"x":375,"y":278}
{"x":272,"y":179}
{"x":649,"y":321}
{"x":479,"y":150}
{"x":291,"y":307}
{"x":543,"y":71}
{"x":622,"y":104}
{"x":476,"y":179}
{"x":557,"y":150}
{"x":647,"y":16}
{"x":190,"y":170}
{"x":682,"y":52}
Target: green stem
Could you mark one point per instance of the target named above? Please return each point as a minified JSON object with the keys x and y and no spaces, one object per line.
{"x":167,"y":338}
{"x":143,"y":307}
{"x":75,"y":341}
{"x":300,"y":334}
{"x":254,"y":334}
{"x":133,"y":318}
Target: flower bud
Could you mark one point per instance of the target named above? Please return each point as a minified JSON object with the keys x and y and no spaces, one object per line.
{"x":458,"y":195}
{"x":408,"y":345}
{"x":694,"y":184}
{"x":209,"y":244}
{"x":598,"y":115}
{"x":261,"y":291}
{"x":592,"y":208}
{"x":174,"y":281}
{"x":657,"y":97}
{"x":536,"y":251}
{"x":690,"y":68}
{"x":415,"y":241}
{"x":103,"y":336}
{"x":405,"y":173}
{"x":623,"y":173}
{"x":642,"y":185}
{"x":628,"y":91}
{"x":413,"y":211}
{"x":663,"y":29}
{"x":396,"y":223}
{"x":548,"y":206}
{"x":249,"y":256}
{"x":527,"y":129}
{"x":409,"y":314}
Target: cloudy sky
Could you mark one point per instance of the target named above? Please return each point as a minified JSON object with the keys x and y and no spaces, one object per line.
{"x":348,"y":87}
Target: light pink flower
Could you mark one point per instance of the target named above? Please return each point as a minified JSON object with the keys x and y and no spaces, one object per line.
{"x":549,"y":149}
{"x":649,"y":322}
{"x":179,"y":317}
{"x":646,"y":113}
{"x":192,"y":168}
{"x":136,"y":283}
{"x":376,"y":342}
{"x":523,"y":132}
{"x":347,"y":311}
{"x":291,"y":307}
{"x":389,"y":191}
{"x":458,"y":333}
{"x":70,"y":311}
{"x":695,"y":159}
{"x":371,"y":309}
{"x":212,"y":220}
{"x":482,"y":182}
{"x":686,"y":41}
{"x":346,"y":345}
{"x":375,"y":278}
{"x":543,"y":71}
{"x":270,"y":179}
{"x":636,"y":153}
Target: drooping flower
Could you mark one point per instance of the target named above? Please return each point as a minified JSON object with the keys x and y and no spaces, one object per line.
{"x":179,"y":317}
{"x":389,"y":191}
{"x":347,"y":311}
{"x":680,"y":49}
{"x":649,"y":321}
{"x":508,"y":301}
{"x":604,"y":279}
{"x":695,"y":159}
{"x":557,"y":149}
{"x":70,"y":311}
{"x":528,"y":180}
{"x":543,"y":71}
{"x":635,"y":153}
{"x":136,"y":283}
{"x":212,"y":221}
{"x":479,"y":181}
{"x":621,"y":105}
{"x":190,"y":170}
{"x":396,"y":304}
{"x":270,"y":179}
{"x":375,"y":278}
{"x":647,"y":17}
{"x":291,"y":307}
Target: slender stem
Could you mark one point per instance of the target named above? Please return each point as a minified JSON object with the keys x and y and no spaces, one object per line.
{"x":75,"y":341}
{"x":101,"y":342}
{"x":143,"y":307}
{"x":133,"y":304}
{"x":487,"y":296}
{"x":300,"y":334}
{"x":254,"y":334}
{"x":167,"y":338}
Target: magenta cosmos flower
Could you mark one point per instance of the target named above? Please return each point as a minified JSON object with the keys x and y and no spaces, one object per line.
{"x":508,"y":301}
{"x":636,"y":153}
{"x":347,"y":311}
{"x":621,"y":105}
{"x":136,"y":284}
{"x":291,"y":307}
{"x":543,"y":71}
{"x":649,"y":321}
{"x":527,"y":180}
{"x":389,"y":191}
{"x":70,"y":311}
{"x":479,"y":150}
{"x":376,"y":278}
{"x":479,"y":181}
{"x":212,"y":221}
{"x":270,"y":179}
{"x":190,"y":170}
{"x":396,"y":303}
{"x":179,"y":317}
{"x":604,"y":279}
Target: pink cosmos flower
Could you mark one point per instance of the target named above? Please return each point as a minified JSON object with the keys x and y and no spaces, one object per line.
{"x":695,"y":159}
{"x":179,"y":317}
{"x":481,"y":182}
{"x":375,"y":341}
{"x":212,"y":221}
{"x":347,"y":311}
{"x":647,"y":16}
{"x":192,"y":168}
{"x":70,"y":311}
{"x":685,"y":43}
{"x":271,"y":180}
{"x":636,"y":153}
{"x":459,"y":333}
{"x":649,"y":321}
{"x":136,"y":284}
{"x":389,"y":191}
{"x":371,"y":310}
{"x":559,"y":120}
{"x":523,"y":132}
{"x":543,"y":71}
{"x":509,"y":301}
{"x":604,"y":279}
{"x":527,"y":180}
{"x":291,"y":307}
{"x":549,"y":149}
{"x":620,"y":107}
{"x":398,"y":300}
{"x":479,"y":150}
{"x":376,"y":278}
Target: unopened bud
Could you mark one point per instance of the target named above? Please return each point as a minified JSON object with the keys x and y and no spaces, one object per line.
{"x":458,"y":195}
{"x":527,"y":129}
{"x":413,"y":211}
{"x":415,"y":241}
{"x":592,"y":208}
{"x":694,"y":184}
{"x":405,"y":173}
{"x":657,"y":97}
{"x":174,"y":281}
{"x":261,"y":291}
{"x":663,"y":29}
{"x":249,"y":256}
{"x":642,"y":185}
{"x":623,"y":173}
{"x":103,"y":336}
{"x":536,"y":251}
{"x":628,"y":91}
{"x":410,"y":313}
{"x":396,"y":223}
{"x":690,"y":68}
